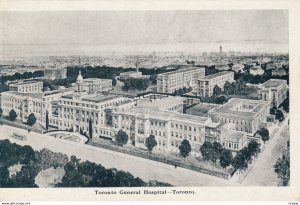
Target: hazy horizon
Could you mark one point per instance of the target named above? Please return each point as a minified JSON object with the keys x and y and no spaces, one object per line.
{"x":92,"y":32}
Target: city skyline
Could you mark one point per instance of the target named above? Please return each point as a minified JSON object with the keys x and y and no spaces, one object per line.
{"x":81,"y":32}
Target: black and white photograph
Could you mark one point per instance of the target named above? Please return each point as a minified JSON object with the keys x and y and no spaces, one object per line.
{"x":144,"y":98}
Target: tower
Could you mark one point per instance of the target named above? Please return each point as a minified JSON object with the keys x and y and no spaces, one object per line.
{"x":79,"y":83}
{"x":220,"y":49}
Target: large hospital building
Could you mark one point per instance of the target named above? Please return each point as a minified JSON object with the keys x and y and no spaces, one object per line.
{"x":171,"y":81}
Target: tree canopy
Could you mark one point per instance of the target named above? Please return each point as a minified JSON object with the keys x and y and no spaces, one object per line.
{"x":121,"y":138}
{"x":12,"y":115}
{"x":264,"y":134}
{"x":226,"y":158}
{"x":185,"y":148}
{"x":151,"y":142}
{"x":31,"y":119}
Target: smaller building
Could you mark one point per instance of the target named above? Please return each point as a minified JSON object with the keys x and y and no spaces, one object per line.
{"x":27,"y":86}
{"x":13,"y":170}
{"x":274,"y":91}
{"x":256,"y":70}
{"x":93,"y":85}
{"x":130,"y":74}
{"x":50,"y":177}
{"x":278,"y":72}
{"x":206,"y":84}
{"x":233,"y":140}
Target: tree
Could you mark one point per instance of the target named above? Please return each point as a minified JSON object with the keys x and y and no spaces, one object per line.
{"x":150,"y":142}
{"x":228,"y":88}
{"x":282,"y":168}
{"x":253,"y":147}
{"x":185,"y":148}
{"x":47,"y":120}
{"x":1,"y":112}
{"x":206,"y":150}
{"x":264,"y":134}
{"x":25,"y":178}
{"x":12,"y":115}
{"x":216,"y":151}
{"x":114,"y":82}
{"x":31,"y":119}
{"x":90,"y":128}
{"x":121,"y":138}
{"x":247,"y":154}
{"x":217,"y":90}
{"x":239,"y":162}
{"x":226,"y":158}
{"x":279,"y":115}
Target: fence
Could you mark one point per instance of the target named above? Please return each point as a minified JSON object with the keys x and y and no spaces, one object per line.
{"x":163,"y":160}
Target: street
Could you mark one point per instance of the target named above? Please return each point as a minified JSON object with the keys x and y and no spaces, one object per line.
{"x":262,"y":172}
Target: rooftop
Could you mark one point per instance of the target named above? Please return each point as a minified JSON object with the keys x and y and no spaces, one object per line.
{"x":272,"y":83}
{"x":25,"y":82}
{"x":209,"y":77}
{"x":39,"y":95}
{"x":162,"y":103}
{"x":181,"y":71}
{"x":130,"y":72}
{"x":165,"y":115}
{"x":93,"y":79}
{"x":231,"y":107}
{"x":95,"y":98}
{"x":99,"y":98}
{"x":232,"y":135}
{"x":201,"y":109}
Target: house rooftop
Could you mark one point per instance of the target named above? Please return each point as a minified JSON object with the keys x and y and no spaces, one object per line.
{"x":232,"y":135}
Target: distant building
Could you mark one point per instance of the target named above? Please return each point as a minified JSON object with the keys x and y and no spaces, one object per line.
{"x":256,"y":70}
{"x":206,"y":84}
{"x":278,"y":72}
{"x":174,"y":80}
{"x":238,"y":67}
{"x":55,"y":73}
{"x":242,"y":115}
{"x":274,"y":91}
{"x":93,"y":85}
{"x":27,"y":87}
{"x":131,"y":74}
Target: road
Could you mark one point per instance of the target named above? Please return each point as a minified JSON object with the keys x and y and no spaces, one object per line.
{"x":139,"y":167}
{"x":262,"y":172}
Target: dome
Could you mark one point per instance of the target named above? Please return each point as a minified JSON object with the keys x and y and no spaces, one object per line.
{"x":79,"y":78}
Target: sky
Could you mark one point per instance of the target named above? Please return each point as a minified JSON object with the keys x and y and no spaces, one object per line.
{"x":146,"y":30}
